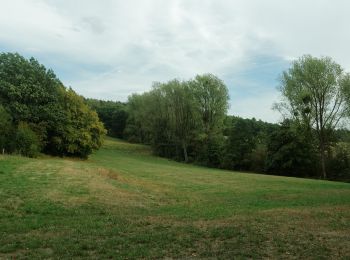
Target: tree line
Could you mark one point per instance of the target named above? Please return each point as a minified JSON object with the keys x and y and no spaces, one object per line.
{"x":185,"y":120}
{"x":188,"y":121}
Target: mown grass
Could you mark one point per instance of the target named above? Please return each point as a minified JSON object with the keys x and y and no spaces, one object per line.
{"x":125,"y":203}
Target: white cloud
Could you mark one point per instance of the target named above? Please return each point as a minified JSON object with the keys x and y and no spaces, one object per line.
{"x":137,"y":42}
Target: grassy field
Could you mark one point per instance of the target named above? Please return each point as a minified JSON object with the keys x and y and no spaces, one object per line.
{"x":125,"y":203}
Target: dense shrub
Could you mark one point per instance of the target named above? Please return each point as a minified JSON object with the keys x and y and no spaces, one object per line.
{"x":339,"y":162}
{"x":258,"y":158}
{"x":26,"y":141}
{"x":291,"y":150}
{"x":5,"y":130}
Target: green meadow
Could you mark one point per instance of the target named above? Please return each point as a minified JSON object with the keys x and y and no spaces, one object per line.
{"x":125,"y":203}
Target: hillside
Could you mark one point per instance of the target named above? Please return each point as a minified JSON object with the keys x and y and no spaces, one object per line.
{"x":123,"y":202}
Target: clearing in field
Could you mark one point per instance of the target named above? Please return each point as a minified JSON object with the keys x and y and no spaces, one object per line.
{"x":125,"y":203}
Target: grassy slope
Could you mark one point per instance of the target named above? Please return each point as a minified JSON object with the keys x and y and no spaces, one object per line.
{"x":124,"y":203}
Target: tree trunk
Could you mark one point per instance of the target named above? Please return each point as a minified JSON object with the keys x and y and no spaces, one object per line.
{"x":184,"y":147}
{"x":323,"y":161}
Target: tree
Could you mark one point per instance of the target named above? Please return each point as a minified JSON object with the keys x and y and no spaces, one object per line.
{"x":165,"y":116}
{"x":5,"y":129}
{"x":240,"y":143}
{"x":37,"y":102}
{"x":211,"y":97}
{"x":27,"y":142}
{"x":339,"y":166}
{"x":28,"y":91}
{"x":112,"y":114}
{"x":291,"y":150}
{"x":182,"y":118}
{"x":245,"y":145}
{"x":138,"y":127}
{"x":315,"y":92}
{"x":80,"y":131}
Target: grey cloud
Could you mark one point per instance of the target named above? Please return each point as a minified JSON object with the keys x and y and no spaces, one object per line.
{"x":94,"y":24}
{"x":155,"y":40}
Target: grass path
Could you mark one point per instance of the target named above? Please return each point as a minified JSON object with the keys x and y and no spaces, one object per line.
{"x":125,"y":203}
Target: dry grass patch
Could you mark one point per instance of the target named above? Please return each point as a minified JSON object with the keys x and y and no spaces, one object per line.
{"x":107,"y":173}
{"x":102,"y":185}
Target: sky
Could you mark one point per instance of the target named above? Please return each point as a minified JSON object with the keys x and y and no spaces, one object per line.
{"x":112,"y":48}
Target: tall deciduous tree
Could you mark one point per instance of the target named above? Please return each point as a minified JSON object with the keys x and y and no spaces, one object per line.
{"x":212,"y":97}
{"x":315,"y":92}
{"x":182,"y":118}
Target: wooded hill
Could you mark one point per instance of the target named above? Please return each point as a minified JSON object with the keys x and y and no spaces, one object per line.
{"x":184,"y":120}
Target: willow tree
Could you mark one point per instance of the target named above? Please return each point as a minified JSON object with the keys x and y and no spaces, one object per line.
{"x":211,"y":96}
{"x":182,"y":116}
{"x":315,"y":92}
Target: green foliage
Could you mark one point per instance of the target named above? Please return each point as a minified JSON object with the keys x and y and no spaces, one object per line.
{"x":112,"y":114}
{"x":245,"y":147}
{"x":80,"y":132}
{"x":292,"y":151}
{"x":209,"y":150}
{"x":168,"y":117}
{"x":38,"y":104}
{"x":27,"y":142}
{"x":139,"y":108}
{"x":339,"y":162}
{"x":240,"y":143}
{"x":211,"y":97}
{"x":5,"y":130}
{"x":316,"y":92}
{"x":27,"y":90}
{"x":211,"y":103}
{"x":182,"y":120}
{"x":180,"y":115}
{"x":258,"y":158}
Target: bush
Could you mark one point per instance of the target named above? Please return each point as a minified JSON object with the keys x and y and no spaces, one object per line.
{"x":258,"y":158}
{"x":26,"y":141}
{"x":339,"y":162}
{"x":5,"y":129}
{"x":291,"y":151}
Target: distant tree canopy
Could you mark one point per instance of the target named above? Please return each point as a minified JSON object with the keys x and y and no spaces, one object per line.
{"x":179,"y":118}
{"x":112,"y":114}
{"x":42,"y":114}
{"x":246,"y":144}
{"x":187,"y":121}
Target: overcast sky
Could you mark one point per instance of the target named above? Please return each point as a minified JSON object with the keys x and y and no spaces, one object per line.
{"x":110,"y":49}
